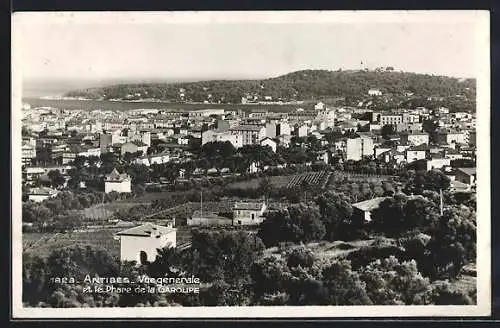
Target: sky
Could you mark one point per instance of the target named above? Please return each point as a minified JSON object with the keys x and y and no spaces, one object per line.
{"x":206,"y":48}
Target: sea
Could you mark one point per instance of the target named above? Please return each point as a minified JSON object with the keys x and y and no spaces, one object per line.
{"x":46,"y":95}
{"x":76,"y":104}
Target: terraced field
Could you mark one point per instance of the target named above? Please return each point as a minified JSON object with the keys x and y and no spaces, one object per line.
{"x":312,"y":179}
{"x":105,"y":211}
{"x":289,"y":181}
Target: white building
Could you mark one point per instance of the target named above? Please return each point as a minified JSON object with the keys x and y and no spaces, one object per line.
{"x":437,"y":163}
{"x":140,"y":243}
{"x":390,"y":119}
{"x":301,"y":131}
{"x":32,"y":173}
{"x":117,"y":182}
{"x":374,"y":92}
{"x":88,"y":152}
{"x":207,"y":219}
{"x":28,"y":152}
{"x":283,"y":128}
{"x":250,"y":213}
{"x":144,"y":137}
{"x":40,"y":194}
{"x":416,"y":153}
{"x":449,"y":137}
{"x":356,"y":148}
{"x":415,"y":138}
{"x":248,"y":134}
{"x":362,"y":211}
{"x":269,"y":142}
{"x":319,"y":106}
{"x":222,"y":136}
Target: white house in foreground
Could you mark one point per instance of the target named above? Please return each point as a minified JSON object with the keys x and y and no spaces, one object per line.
{"x":140,"y":243}
{"x":117,"y":182}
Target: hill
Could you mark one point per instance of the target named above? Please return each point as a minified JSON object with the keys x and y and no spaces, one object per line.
{"x":300,"y":85}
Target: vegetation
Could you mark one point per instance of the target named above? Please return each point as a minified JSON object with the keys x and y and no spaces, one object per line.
{"x":300,"y":85}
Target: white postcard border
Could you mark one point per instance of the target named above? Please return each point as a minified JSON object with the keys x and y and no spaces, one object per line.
{"x":483,"y":307}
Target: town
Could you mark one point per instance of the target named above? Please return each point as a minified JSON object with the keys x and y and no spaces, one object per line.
{"x":139,"y":182}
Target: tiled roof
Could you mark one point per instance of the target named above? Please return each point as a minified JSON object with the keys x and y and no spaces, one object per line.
{"x":370,"y":204}
{"x":422,"y":147}
{"x":43,"y":191}
{"x":116,"y":176}
{"x":467,"y":170}
{"x":206,"y":215}
{"x":458,"y":185}
{"x":146,"y":230}
{"x":247,"y":128}
{"x":415,"y":133}
{"x":248,"y":206}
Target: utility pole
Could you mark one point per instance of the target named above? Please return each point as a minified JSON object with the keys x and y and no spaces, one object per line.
{"x":201,"y":203}
{"x":102,"y":210}
{"x":441,"y":201}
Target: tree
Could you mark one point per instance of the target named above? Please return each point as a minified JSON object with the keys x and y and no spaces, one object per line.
{"x":223,"y":255}
{"x":265,"y":187}
{"x":139,"y":173}
{"x":399,"y":214}
{"x":35,"y":278}
{"x":387,"y":130}
{"x":430,"y":126}
{"x":442,"y":293}
{"x":78,"y":261}
{"x":433,"y":180}
{"x":268,"y":276}
{"x":336,"y":213}
{"x":65,"y":222}
{"x":420,"y":213}
{"x":453,"y":242}
{"x":108,"y":161}
{"x":36,"y":213}
{"x":216,"y":149}
{"x":297,"y":223}
{"x":56,"y":178}
{"x":389,"y":282}
{"x":41,"y":289}
{"x":389,"y":216}
{"x":43,"y":155}
{"x":343,"y":285}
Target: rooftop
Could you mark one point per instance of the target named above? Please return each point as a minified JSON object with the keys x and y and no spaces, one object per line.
{"x":370,"y":204}
{"x":207,"y":215}
{"x":248,"y":206}
{"x":247,"y":128}
{"x":146,"y":230}
{"x":422,"y":147}
{"x":116,"y":176}
{"x":43,"y":191}
{"x":467,"y":170}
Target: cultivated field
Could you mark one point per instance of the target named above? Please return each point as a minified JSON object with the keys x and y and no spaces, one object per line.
{"x":105,"y":211}
{"x":288,"y":181}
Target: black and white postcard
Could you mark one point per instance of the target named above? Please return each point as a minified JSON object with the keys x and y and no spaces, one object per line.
{"x":251,"y":164}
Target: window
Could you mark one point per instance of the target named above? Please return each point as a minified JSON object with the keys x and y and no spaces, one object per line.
{"x":253,"y":216}
{"x":143,"y":257}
